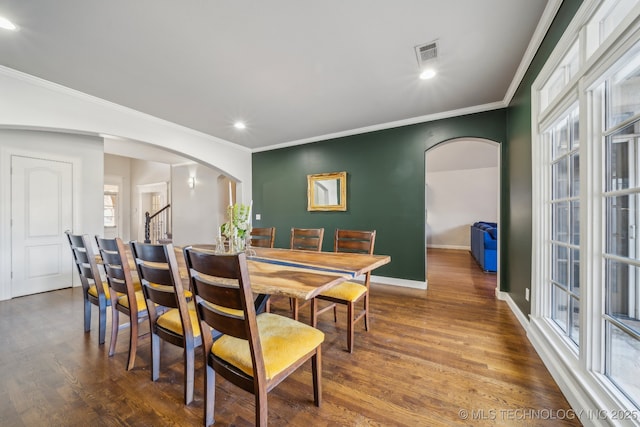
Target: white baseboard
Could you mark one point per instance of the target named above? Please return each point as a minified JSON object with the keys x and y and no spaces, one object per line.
{"x":415,"y":284}
{"x":504,"y":296}
{"x":457,"y":247}
{"x":589,"y":400}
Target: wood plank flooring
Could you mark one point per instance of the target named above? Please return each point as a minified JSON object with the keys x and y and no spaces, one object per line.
{"x":429,"y":357}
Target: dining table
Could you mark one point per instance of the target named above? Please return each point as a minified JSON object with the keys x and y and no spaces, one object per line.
{"x":298,"y":273}
{"x":289,"y":272}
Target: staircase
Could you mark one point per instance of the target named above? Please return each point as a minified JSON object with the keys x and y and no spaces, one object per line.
{"x":157,"y":226}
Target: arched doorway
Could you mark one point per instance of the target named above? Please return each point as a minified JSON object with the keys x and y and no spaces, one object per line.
{"x":462,"y":187}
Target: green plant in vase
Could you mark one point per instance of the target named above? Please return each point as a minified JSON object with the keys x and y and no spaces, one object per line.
{"x":238,"y":223}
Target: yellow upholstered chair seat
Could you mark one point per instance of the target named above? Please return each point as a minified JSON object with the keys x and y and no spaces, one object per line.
{"x":284,"y":341}
{"x":170,"y":320}
{"x":94,"y":292}
{"x":142,"y":304}
{"x":136,"y":282}
{"x":347,"y":291}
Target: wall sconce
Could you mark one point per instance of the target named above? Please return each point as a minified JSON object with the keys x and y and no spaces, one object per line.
{"x":192,"y":182}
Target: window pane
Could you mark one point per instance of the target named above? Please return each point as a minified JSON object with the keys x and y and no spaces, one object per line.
{"x":623,"y":293}
{"x":574,"y":332}
{"x":575,"y":271}
{"x":624,"y":91}
{"x":560,"y":179}
{"x":575,"y":129}
{"x":560,"y":77}
{"x":605,"y":20}
{"x":623,"y":362}
{"x":564,"y":212}
{"x":574,"y":162}
{"x":110,"y":201}
{"x":559,"y":269}
{"x":575,"y":222}
{"x":621,"y":217}
{"x":559,"y":307}
{"x":560,"y":224}
{"x":560,"y":139}
{"x":619,"y":163}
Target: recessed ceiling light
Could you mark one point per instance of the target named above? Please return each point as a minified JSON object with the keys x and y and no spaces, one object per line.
{"x":239,"y":125}
{"x":429,"y":73}
{"x":6,"y":24}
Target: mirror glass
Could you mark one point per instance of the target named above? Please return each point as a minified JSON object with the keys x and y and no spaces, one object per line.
{"x":327,"y":192}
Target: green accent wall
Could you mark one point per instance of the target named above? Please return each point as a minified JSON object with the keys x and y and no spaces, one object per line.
{"x":515,"y":266}
{"x":386,"y":178}
{"x":385,"y":185}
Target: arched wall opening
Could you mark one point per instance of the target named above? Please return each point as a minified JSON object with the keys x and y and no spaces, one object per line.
{"x":462,"y":187}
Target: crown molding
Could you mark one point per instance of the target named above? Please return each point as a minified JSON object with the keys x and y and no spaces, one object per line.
{"x":388,"y":125}
{"x":543,"y":26}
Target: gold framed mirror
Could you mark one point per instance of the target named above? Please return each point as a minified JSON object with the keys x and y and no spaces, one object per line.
{"x":327,"y":192}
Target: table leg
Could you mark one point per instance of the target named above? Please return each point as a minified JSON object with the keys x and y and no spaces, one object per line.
{"x":261,"y":303}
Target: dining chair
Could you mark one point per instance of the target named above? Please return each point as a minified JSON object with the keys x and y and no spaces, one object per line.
{"x":263,"y":237}
{"x":305,"y":239}
{"x":94,"y":290}
{"x":171,"y":318}
{"x":126,"y":295}
{"x":254,"y":352}
{"x":349,"y":293}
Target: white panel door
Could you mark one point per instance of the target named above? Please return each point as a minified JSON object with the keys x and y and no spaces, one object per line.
{"x":41,"y":211}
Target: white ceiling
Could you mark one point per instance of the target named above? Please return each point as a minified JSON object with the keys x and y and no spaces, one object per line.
{"x":294,"y":70}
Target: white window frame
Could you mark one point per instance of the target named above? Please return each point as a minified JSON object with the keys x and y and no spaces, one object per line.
{"x":580,"y":374}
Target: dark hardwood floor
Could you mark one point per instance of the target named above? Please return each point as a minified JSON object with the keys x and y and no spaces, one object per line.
{"x":431,"y":358}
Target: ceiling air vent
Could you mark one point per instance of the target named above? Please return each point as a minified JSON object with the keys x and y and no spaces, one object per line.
{"x":426,"y":52}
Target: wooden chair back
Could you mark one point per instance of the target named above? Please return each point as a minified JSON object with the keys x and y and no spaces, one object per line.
{"x":85,"y":261}
{"x":117,"y":269}
{"x":222,"y":287}
{"x":354,"y":241}
{"x":307,"y":239}
{"x":160,"y":279}
{"x":263,"y":237}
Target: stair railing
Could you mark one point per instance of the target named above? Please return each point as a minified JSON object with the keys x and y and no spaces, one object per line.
{"x":156,"y":226}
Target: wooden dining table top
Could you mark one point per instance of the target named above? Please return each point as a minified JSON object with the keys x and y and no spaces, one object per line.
{"x":292,"y":273}
{"x":305,"y":274}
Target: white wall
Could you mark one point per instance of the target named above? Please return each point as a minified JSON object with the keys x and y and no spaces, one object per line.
{"x":86,"y":154}
{"x":455,"y":200}
{"x":196,"y":212}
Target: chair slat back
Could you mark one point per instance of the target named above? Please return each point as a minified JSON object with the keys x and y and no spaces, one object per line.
{"x":84,"y":258}
{"x":263,"y":237}
{"x":158,"y":272}
{"x":116,"y":266}
{"x":223,"y":293}
{"x":113,"y":265}
{"x":354,"y":241}
{"x":307,"y":239}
